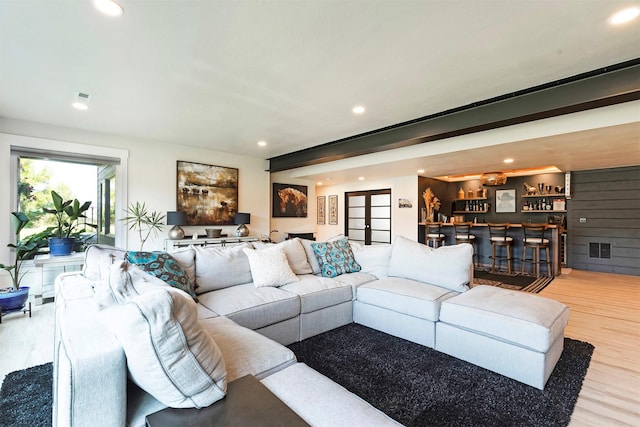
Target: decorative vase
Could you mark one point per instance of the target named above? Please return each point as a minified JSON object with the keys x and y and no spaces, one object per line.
{"x":61,"y":246}
{"x":14,"y":300}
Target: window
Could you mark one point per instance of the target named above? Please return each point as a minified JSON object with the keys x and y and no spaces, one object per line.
{"x":89,"y":173}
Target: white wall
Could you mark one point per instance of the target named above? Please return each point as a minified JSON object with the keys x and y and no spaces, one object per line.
{"x":404,"y":221}
{"x":151,"y":175}
{"x":293,"y":225}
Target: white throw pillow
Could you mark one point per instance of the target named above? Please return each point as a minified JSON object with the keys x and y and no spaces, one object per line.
{"x":447,"y":266}
{"x":169,"y":354}
{"x":218,"y":268}
{"x":269,"y":267}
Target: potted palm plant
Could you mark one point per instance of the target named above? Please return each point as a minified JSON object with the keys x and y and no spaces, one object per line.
{"x":143,"y":221}
{"x":67,"y":214}
{"x":14,"y":297}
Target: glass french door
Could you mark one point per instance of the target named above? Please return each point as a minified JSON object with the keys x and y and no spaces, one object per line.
{"x":368,"y":215}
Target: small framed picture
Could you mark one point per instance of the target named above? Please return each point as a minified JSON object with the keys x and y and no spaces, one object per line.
{"x":505,"y":201}
{"x":321,"y":209}
{"x":333,"y":210}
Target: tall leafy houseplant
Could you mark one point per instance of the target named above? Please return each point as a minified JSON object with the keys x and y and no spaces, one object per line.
{"x":142,"y":221}
{"x":23,"y":250}
{"x":67,"y":214}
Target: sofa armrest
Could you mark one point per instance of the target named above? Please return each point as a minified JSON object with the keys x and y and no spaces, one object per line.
{"x":89,"y":367}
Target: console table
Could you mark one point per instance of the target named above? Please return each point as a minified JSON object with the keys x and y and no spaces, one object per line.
{"x":247,"y":403}
{"x":42,"y":290}
{"x":172,"y":245}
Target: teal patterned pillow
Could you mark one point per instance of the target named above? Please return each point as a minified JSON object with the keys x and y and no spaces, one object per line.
{"x":164,"y":267}
{"x":335,"y":258}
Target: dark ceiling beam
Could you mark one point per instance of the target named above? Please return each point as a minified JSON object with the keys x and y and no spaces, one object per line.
{"x":606,"y":86}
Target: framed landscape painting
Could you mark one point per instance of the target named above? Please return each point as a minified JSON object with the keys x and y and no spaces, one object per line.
{"x":289,"y":201}
{"x":208,"y":194}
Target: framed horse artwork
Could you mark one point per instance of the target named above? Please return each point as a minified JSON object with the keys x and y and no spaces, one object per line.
{"x":289,"y":201}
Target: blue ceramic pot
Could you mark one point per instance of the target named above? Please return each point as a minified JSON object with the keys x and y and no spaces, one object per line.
{"x":61,"y":247}
{"x":11,"y":301}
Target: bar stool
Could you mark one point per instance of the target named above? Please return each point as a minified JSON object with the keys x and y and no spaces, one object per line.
{"x":463,"y":235}
{"x":498,"y":237}
{"x":535,"y":238}
{"x":433,"y":234}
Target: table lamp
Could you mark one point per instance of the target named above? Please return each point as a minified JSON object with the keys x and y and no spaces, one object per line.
{"x":176,"y":218}
{"x":242,"y":219}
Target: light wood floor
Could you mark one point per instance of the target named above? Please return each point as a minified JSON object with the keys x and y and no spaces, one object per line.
{"x":605,"y":311}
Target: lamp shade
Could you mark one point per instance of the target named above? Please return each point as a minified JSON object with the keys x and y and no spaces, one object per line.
{"x":243,"y":218}
{"x":176,"y":218}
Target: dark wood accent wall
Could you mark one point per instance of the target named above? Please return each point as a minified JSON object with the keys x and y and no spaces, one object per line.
{"x":607,"y":239}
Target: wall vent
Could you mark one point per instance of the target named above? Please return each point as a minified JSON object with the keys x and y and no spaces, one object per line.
{"x":600,"y":250}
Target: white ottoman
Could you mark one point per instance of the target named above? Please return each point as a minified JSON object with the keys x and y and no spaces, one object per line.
{"x":513,"y":333}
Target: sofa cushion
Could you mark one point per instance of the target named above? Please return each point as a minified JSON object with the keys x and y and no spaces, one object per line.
{"x":322,"y":402}
{"x":163,"y":266}
{"x":446,"y":266}
{"x":219,"y":268}
{"x":98,"y":260}
{"x":319,"y":292}
{"x":405,"y":296}
{"x":247,"y":352}
{"x":186,"y":257}
{"x":373,"y":259}
{"x":269,"y":267}
{"x":169,"y":354}
{"x":513,"y":316}
{"x":252,"y":307}
{"x":335,"y":257}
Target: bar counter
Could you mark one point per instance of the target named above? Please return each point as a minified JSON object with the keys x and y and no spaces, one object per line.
{"x":483,"y":245}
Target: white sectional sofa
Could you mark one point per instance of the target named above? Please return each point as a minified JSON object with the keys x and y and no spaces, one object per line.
{"x":251,"y":302}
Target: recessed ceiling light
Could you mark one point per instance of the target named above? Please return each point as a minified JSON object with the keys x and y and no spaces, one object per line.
{"x":509,"y":160}
{"x":358,"y":109}
{"x":420,"y":170}
{"x":81,"y":102}
{"x":108,"y":7}
{"x":262,"y":143}
{"x":624,"y":15}
{"x":319,"y":182}
{"x":361,"y":178}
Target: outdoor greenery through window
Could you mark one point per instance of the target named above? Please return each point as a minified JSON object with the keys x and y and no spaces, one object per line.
{"x":71,"y":180}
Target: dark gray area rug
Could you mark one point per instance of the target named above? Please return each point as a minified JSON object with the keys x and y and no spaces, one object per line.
{"x":419,"y":386}
{"x":26,"y":397}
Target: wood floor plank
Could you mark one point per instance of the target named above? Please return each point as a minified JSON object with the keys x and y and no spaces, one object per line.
{"x":605,"y":311}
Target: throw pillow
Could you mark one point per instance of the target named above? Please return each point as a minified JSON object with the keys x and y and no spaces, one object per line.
{"x":373,"y":259}
{"x":447,"y":266}
{"x":335,"y":258}
{"x":169,"y":354}
{"x":269,"y":267}
{"x":311,"y":255}
{"x":218,"y":268}
{"x":164,"y":267}
{"x":296,"y":256}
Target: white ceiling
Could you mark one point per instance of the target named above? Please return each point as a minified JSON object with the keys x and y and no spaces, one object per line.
{"x":226,"y":74}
